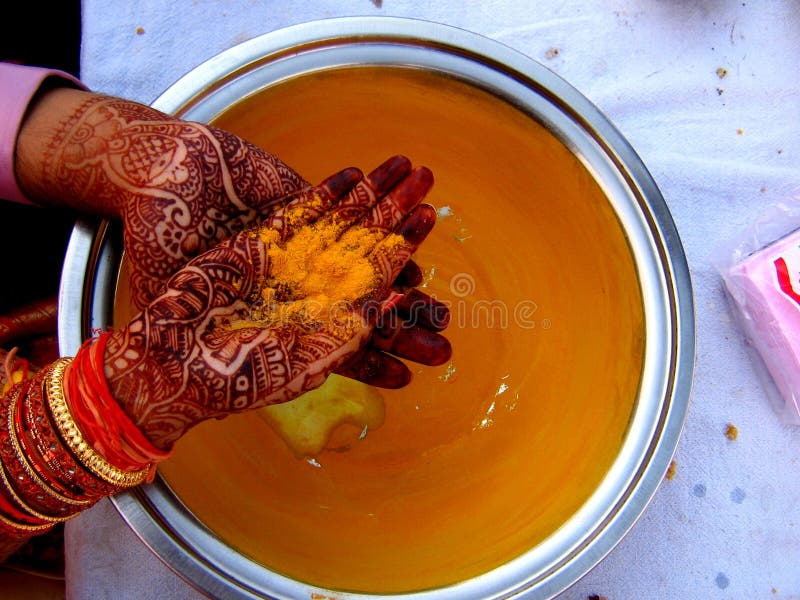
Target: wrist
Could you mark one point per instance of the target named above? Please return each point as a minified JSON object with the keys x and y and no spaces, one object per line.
{"x":107,"y":427}
{"x":139,"y":389}
{"x":20,"y":88}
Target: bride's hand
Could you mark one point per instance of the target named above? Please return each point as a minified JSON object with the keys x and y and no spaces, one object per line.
{"x":269,"y":313}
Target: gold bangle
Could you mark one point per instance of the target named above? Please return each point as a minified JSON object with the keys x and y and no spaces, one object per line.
{"x":24,"y":526}
{"x":26,"y":466}
{"x":73,"y":437}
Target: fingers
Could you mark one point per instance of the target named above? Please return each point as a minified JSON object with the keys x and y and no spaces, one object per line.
{"x":392,"y":253}
{"x":345,"y":197}
{"x":388,"y":213}
{"x":339,"y":184}
{"x":423,"y":310}
{"x":311,"y":203}
{"x":410,"y":277}
{"x":373,"y":367}
{"x":386,"y":176}
{"x":412,"y":342}
{"x":369,"y":191}
{"x":378,"y":183}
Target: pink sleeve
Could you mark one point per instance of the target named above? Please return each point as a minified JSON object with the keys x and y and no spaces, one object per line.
{"x":18,"y":84}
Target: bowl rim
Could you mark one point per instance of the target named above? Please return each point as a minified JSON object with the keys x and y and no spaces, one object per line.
{"x":193,"y":551}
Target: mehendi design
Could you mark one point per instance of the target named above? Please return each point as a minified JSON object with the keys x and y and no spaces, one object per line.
{"x":180,"y":186}
{"x":197,"y":351}
{"x":183,"y":187}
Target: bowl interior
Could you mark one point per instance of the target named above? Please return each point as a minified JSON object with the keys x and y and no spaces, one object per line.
{"x":482,"y":459}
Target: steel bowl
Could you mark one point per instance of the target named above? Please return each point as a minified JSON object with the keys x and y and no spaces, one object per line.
{"x":94,"y":252}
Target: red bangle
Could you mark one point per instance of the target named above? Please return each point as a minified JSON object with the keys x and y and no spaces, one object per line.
{"x":24,"y":499}
{"x":67,"y":473}
{"x":6,"y":504}
{"x":41,"y":448}
{"x":8,"y":509}
{"x":105,"y":426}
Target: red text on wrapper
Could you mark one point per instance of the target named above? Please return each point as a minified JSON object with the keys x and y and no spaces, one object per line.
{"x":788,"y":285}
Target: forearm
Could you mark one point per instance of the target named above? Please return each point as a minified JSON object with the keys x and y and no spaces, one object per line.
{"x":180,"y":187}
{"x":95,"y":153}
{"x":37,"y":318}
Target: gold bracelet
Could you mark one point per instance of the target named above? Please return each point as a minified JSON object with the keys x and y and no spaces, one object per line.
{"x":24,"y":526}
{"x":26,"y":466}
{"x":73,"y":437}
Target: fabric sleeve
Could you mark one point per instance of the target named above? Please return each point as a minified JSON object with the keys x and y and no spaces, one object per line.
{"x":18,"y":86}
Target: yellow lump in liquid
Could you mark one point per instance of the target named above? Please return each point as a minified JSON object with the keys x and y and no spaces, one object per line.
{"x":314,"y":421}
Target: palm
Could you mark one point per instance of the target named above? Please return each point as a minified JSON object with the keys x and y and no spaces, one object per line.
{"x":201,"y":349}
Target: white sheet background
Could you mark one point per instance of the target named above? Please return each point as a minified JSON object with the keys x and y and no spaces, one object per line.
{"x":722,"y":150}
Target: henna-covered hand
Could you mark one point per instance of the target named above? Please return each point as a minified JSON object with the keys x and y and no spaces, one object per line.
{"x":181,"y":187}
{"x":227,"y":335}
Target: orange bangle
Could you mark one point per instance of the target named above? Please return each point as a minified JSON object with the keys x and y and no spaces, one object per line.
{"x":107,"y":428}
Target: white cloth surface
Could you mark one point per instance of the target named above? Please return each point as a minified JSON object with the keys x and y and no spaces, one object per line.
{"x":721,"y":149}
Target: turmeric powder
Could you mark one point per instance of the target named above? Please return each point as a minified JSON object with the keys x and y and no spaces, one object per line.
{"x":317,"y":275}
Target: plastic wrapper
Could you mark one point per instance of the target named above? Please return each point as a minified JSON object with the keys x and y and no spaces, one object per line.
{"x":761,"y":271}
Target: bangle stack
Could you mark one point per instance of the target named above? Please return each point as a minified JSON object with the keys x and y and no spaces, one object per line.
{"x":71,"y":434}
{"x":64,"y":444}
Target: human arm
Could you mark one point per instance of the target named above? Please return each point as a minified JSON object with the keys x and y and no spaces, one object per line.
{"x":48,"y":478}
{"x":180,"y":187}
{"x":204,"y":348}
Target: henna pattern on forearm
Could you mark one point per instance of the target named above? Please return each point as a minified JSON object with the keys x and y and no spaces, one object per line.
{"x":179,"y":186}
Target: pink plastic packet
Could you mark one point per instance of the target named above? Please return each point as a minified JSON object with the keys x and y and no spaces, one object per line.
{"x":762,"y":276}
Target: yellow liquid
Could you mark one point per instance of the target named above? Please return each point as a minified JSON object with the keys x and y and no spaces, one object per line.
{"x":478,"y":460}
